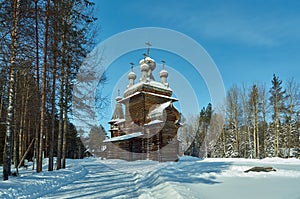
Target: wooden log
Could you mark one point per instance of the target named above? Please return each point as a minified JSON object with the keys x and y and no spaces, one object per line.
{"x":259,"y":169}
{"x":32,"y":141}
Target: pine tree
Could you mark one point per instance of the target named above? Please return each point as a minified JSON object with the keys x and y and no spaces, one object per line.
{"x":43,"y":94}
{"x":205,"y":118}
{"x":277,"y":100}
{"x":232,"y":123}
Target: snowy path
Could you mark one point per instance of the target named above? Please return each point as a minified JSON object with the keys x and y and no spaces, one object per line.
{"x":188,"y":178}
{"x":99,"y":182}
{"x":140,"y":179}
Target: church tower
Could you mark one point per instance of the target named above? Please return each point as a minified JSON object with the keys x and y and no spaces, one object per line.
{"x":148,"y":129}
{"x":117,"y":120}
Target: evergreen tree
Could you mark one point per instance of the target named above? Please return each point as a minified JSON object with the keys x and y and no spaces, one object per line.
{"x":232,"y":123}
{"x":277,"y":101}
{"x":95,"y":140}
{"x":199,"y":147}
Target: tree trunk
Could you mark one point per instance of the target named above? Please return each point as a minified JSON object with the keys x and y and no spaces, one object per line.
{"x":61,"y":112}
{"x":10,"y":108}
{"x":53,"y":105}
{"x":16,"y":118}
{"x":256,"y":133}
{"x":264,"y":113}
{"x":43,"y":108}
{"x":60,"y":125}
{"x":9,"y":121}
{"x":66,"y":56}
{"x":37,"y":61}
{"x":64,"y":145}
{"x":22,"y":137}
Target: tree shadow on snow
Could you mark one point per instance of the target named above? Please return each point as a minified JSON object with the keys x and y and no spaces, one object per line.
{"x":106,"y":182}
{"x":188,"y":172}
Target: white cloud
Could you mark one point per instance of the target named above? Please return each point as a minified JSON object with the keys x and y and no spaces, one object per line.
{"x":237,"y":23}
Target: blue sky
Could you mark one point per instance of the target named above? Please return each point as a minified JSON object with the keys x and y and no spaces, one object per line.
{"x":249,"y":41}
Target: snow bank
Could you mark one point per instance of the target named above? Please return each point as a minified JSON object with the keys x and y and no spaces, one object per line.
{"x":189,"y":178}
{"x":32,"y":185}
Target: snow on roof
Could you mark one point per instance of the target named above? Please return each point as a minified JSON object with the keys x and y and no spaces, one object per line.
{"x":117,"y":120}
{"x":158,"y":85}
{"x":154,"y":122}
{"x":148,"y":83}
{"x":159,"y":95}
{"x":146,"y":59}
{"x":160,"y":108}
{"x":133,"y":87}
{"x":112,"y":120}
{"x":124,"y":137}
{"x":128,"y":97}
{"x":120,"y":121}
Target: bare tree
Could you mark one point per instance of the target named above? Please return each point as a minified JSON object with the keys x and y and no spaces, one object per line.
{"x":254,"y":110}
{"x":245,"y":131}
{"x":293,"y":103}
{"x":264,"y":111}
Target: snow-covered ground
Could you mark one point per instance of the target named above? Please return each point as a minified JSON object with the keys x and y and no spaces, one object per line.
{"x":188,"y":178}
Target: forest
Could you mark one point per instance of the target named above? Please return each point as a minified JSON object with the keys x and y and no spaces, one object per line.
{"x":42,"y":44}
{"x":254,"y":122}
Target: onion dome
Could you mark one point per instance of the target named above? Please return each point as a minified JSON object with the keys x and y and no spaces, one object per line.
{"x":118,"y":98}
{"x":144,"y":67}
{"x":131,"y":75}
{"x":151,"y":63}
{"x":141,"y":61}
{"x":163,"y":73}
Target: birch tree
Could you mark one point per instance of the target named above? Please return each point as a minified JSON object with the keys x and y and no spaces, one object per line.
{"x":264,"y":112}
{"x":254,"y":110}
{"x":9,"y":119}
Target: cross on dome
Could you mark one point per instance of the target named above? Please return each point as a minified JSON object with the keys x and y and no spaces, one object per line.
{"x":163,"y":64}
{"x":132,"y":65}
{"x":148,"y":49}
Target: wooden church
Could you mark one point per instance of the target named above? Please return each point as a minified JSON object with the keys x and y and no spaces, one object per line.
{"x":145,"y":122}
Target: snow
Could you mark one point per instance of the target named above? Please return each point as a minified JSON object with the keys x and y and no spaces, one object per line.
{"x":154,"y":122}
{"x":132,"y":89}
{"x":124,"y":137}
{"x":128,"y":97}
{"x":160,"y":108}
{"x":188,"y":178}
{"x":119,"y":121}
{"x":163,"y":96}
{"x":158,"y":85}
